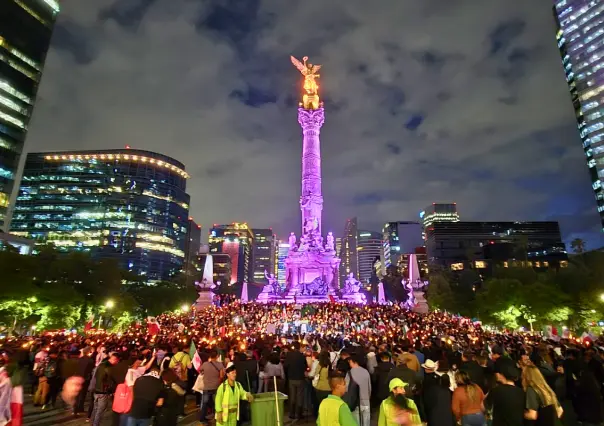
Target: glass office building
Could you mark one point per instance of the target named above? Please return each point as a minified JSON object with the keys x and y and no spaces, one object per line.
{"x":369,"y":250}
{"x":580,"y":39}
{"x":25,"y":32}
{"x":236,"y":240}
{"x":126,"y":204}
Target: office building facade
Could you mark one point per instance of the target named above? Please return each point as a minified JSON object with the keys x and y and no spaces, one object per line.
{"x":25,"y":32}
{"x":221,"y":267}
{"x":438,"y":212}
{"x":580,"y":29}
{"x":126,"y":204}
{"x":399,"y":238}
{"x":369,"y":249}
{"x":192,"y":247}
{"x":463,"y":245}
{"x":263,"y":254}
{"x":348,"y":250}
{"x":236,"y":240}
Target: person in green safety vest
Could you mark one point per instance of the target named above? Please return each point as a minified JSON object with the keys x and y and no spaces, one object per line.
{"x":229,"y":393}
{"x":333,"y":411}
{"x":397,"y":409}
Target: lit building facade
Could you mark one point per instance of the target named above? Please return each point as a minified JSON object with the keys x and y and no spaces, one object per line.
{"x":579,"y":37}
{"x":438,"y":212}
{"x":369,"y":249}
{"x":348,"y":250}
{"x":263,"y":254}
{"x":399,"y":238}
{"x":283,"y":252}
{"x":462,"y":245}
{"x":236,"y":240}
{"x":221,"y":267}
{"x":192,"y":246}
{"x":126,"y":204}
{"x":25,"y":32}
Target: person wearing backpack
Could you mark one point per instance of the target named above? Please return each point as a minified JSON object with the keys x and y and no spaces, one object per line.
{"x":180,"y":364}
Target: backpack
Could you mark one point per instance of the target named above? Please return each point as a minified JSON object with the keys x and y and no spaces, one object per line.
{"x":179,"y":368}
{"x":352,"y":397}
{"x":51,"y":370}
{"x":122,"y":400}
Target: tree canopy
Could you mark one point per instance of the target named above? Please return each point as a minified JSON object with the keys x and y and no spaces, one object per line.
{"x":51,"y":290}
{"x":514,"y":297}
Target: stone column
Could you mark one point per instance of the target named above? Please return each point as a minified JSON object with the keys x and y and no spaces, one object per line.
{"x":311,"y":200}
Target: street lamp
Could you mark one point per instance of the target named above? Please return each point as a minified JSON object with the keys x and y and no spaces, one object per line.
{"x":184,"y":308}
{"x":602,"y":297}
{"x":109,"y":305}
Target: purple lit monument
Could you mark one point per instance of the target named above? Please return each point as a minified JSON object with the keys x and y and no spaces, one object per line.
{"x":311,"y":265}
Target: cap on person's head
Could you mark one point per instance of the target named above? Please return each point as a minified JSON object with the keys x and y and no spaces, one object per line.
{"x":507,"y":368}
{"x":396,"y":383}
{"x":230,"y":368}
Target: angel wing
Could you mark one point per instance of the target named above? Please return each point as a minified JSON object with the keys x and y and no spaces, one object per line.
{"x":298,"y":64}
{"x":315,"y":68}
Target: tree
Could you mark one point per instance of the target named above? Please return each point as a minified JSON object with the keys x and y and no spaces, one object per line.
{"x":439,"y":294}
{"x":578,"y":245}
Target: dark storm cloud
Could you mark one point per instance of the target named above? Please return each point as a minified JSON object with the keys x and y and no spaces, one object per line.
{"x":425,"y":101}
{"x":127,"y":13}
{"x":504,"y":34}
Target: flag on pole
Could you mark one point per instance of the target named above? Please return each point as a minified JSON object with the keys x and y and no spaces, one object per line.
{"x":196,"y":359}
{"x":89,"y":323}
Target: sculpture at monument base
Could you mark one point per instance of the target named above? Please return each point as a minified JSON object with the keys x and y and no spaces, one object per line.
{"x":206,"y":295}
{"x":205,"y":287}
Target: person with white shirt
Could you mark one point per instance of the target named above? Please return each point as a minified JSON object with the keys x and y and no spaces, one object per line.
{"x":137,"y":369}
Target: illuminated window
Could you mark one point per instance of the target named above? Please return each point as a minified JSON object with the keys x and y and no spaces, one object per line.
{"x":545,"y":264}
{"x":7,"y":145}
{"x":18,"y":67}
{"x":6,"y":173}
{"x":31,"y":12}
{"x":480,"y":264}
{"x":4,"y":199}
{"x":13,"y":105}
{"x":12,"y":119}
{"x":5,"y":86}
{"x":457,"y":266}
{"x":564,"y":264}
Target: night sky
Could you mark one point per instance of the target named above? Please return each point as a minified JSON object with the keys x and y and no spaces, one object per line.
{"x":426,"y":101}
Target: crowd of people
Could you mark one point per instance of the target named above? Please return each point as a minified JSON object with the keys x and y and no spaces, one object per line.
{"x":339,"y":364}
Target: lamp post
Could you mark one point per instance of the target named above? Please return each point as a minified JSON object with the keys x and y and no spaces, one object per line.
{"x":108,"y":305}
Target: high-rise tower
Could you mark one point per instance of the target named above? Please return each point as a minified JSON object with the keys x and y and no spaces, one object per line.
{"x":581,"y":47}
{"x":25,"y":31}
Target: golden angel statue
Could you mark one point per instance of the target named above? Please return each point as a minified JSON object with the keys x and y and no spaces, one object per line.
{"x":310,"y":100}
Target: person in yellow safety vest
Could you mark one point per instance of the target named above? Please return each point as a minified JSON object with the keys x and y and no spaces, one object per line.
{"x":229,"y":393}
{"x":397,"y":409}
{"x":333,"y":411}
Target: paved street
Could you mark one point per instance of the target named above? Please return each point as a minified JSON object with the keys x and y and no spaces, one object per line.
{"x":35,"y":416}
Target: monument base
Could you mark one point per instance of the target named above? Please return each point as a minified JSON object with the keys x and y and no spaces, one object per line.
{"x":421,"y":304}
{"x":312,"y":273}
{"x":205,"y":299}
